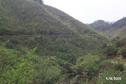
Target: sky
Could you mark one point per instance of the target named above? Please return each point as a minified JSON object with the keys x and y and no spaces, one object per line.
{"x":89,"y":11}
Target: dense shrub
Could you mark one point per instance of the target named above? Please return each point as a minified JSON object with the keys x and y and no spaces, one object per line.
{"x":122,"y":51}
{"x":86,"y":68}
{"x":16,"y":69}
{"x":47,"y":71}
{"x":111,"y":50}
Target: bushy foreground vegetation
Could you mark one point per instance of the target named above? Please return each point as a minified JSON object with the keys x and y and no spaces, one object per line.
{"x":24,"y":66}
{"x":42,"y":45}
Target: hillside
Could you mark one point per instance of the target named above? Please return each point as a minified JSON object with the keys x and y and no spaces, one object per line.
{"x":120,"y":27}
{"x":40,"y":44}
{"x":101,"y":25}
{"x":111,"y":29}
{"x":120,"y":23}
{"x":37,"y":25}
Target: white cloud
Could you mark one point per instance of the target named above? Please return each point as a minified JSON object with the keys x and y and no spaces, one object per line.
{"x":90,"y":10}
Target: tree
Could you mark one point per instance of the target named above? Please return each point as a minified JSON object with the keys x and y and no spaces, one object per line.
{"x":22,"y":71}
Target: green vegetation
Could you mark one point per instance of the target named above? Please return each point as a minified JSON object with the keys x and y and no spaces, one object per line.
{"x":17,"y":68}
{"x":27,"y":24}
{"x":42,"y":45}
{"x":22,"y":66}
{"x":111,"y":30}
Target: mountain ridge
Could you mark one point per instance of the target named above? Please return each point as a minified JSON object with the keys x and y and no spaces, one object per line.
{"x":33,"y":25}
{"x":112,"y":29}
{"x":40,"y":44}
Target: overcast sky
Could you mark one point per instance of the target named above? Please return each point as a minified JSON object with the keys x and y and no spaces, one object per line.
{"x":88,"y":11}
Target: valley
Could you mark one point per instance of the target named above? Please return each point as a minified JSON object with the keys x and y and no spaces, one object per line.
{"x":40,"y":44}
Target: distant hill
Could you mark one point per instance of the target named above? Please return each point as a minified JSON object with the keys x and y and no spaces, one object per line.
{"x":112,"y":29}
{"x":120,"y":23}
{"x":120,"y":27}
{"x":101,"y":25}
{"x":27,"y":23}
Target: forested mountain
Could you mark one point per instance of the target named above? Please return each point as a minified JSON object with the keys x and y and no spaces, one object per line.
{"x":40,"y":44}
{"x":52,"y":31}
{"x":119,"y":27}
{"x":101,"y":25}
{"x":112,"y":29}
{"x":120,"y":23}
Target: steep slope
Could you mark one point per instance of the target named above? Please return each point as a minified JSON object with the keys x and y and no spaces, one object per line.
{"x":120,"y":23}
{"x":119,"y":28}
{"x":112,"y":30}
{"x":69,"y":21}
{"x":27,"y":23}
